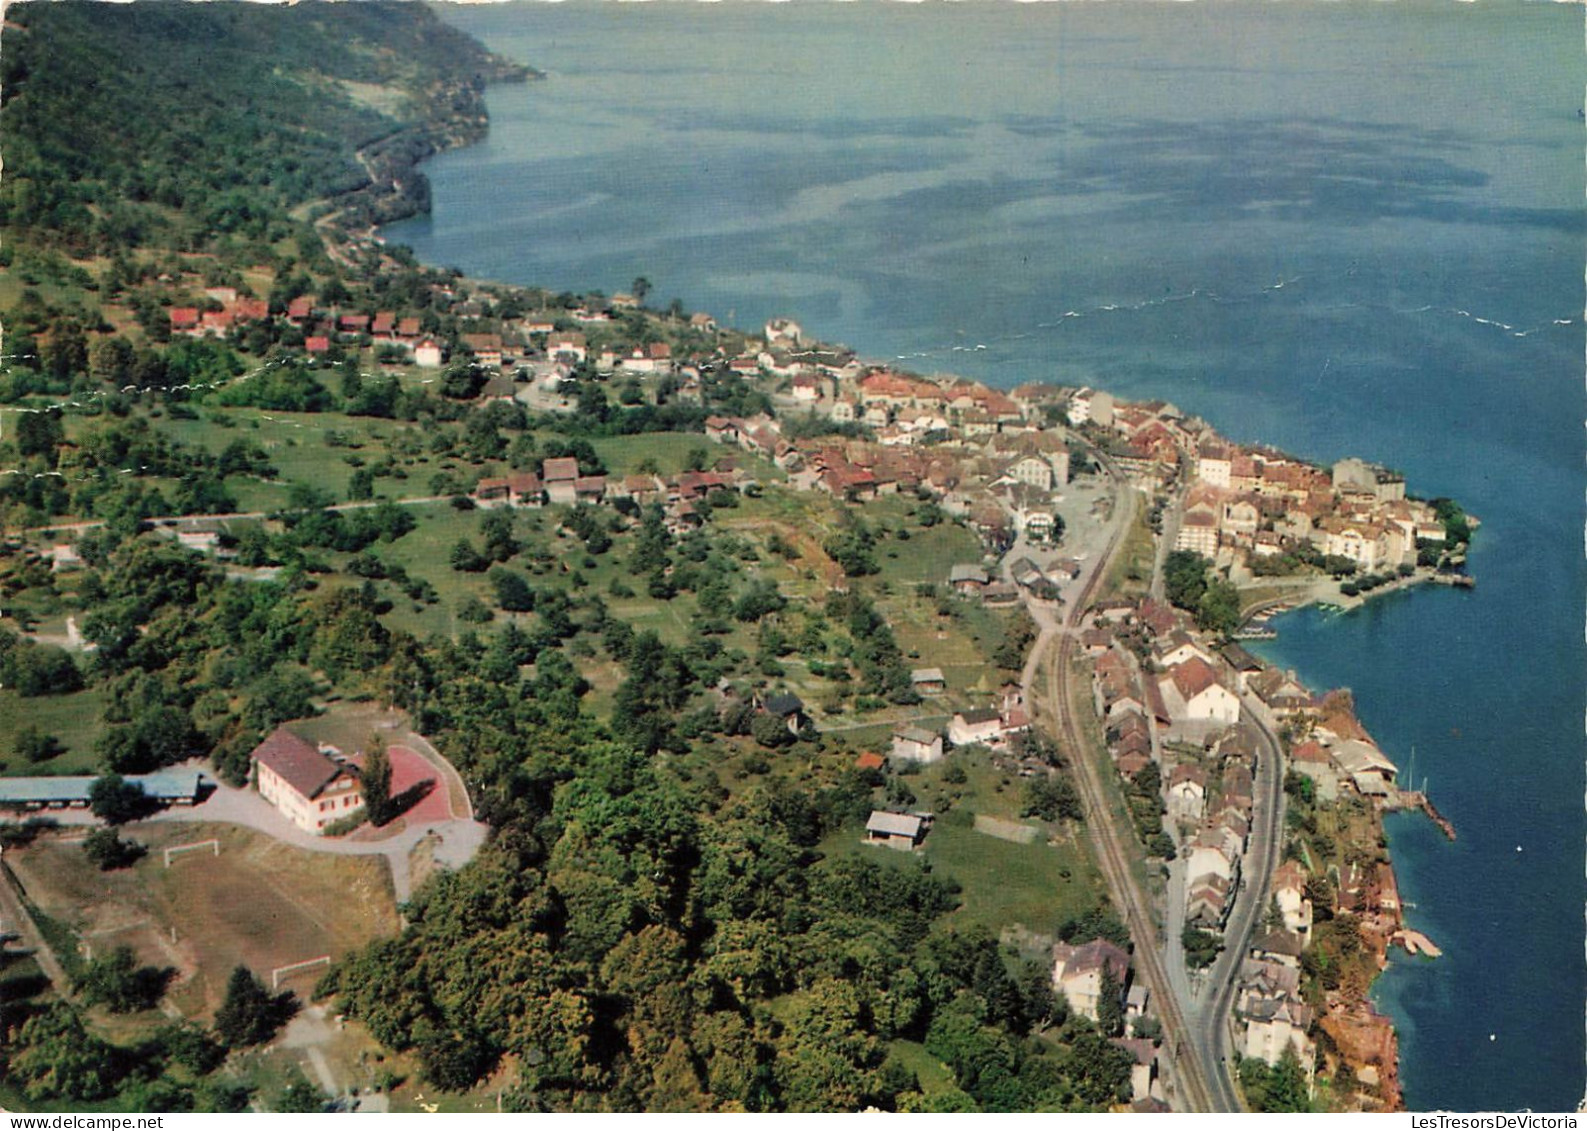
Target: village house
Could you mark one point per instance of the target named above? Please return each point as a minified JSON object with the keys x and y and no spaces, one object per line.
{"x":570,"y":346}
{"x":1310,"y":760}
{"x":309,"y":788}
{"x":902,"y":831}
{"x":200,"y":535}
{"x":1198,"y":533}
{"x":589,"y":489}
{"x":1270,"y":1007}
{"x":1195,"y":684}
{"x":1362,"y":542}
{"x":427,"y":354}
{"x":560,"y":477}
{"x":1289,"y":892}
{"x":928,"y":681}
{"x":783,"y":332}
{"x":1243,"y":664}
{"x":788,"y":707}
{"x":1034,"y":470}
{"x":1282,"y":694}
{"x":1176,"y":648}
{"x":486,"y":348}
{"x":981,"y":726}
{"x":967,"y":580}
{"x":1213,"y":464}
{"x":1143,"y":1065}
{"x":1355,"y":477}
{"x":1186,"y":794}
{"x":1365,"y":765}
{"x":1207,"y":902}
{"x":1077,"y":973}
{"x":64,"y":558}
{"x":916,"y":744}
{"x":519,"y":490}
{"x":651,"y":359}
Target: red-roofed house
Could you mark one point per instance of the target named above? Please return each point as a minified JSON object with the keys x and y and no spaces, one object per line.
{"x":1204,"y":697}
{"x":486,"y":349}
{"x":250,"y":310}
{"x":300,"y":310}
{"x":317,"y":343}
{"x":184,"y":319}
{"x":1077,"y":972}
{"x":310,"y":789}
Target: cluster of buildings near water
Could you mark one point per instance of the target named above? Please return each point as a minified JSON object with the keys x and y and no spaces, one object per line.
{"x":992,"y":457}
{"x":1178,"y":707}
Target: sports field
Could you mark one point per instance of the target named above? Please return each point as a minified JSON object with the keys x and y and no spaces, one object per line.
{"x":258,"y":903}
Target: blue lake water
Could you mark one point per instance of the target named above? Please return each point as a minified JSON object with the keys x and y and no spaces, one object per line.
{"x":1340,"y":228}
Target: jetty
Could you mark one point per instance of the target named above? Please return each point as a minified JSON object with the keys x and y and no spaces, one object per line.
{"x":1415,"y":942}
{"x":1418,"y":799}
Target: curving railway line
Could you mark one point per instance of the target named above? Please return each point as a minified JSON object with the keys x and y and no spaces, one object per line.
{"x":1192,"y":1038}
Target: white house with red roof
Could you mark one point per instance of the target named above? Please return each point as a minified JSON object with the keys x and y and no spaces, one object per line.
{"x":1200,"y":697}
{"x":311,"y":789}
{"x":1077,"y":973}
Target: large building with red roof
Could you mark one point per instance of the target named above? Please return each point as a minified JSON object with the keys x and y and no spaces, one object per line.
{"x":311,"y":789}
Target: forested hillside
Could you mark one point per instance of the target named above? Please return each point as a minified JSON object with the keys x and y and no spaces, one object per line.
{"x":176,"y":124}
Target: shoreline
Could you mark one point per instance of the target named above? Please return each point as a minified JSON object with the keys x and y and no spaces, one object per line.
{"x":1352,"y":1022}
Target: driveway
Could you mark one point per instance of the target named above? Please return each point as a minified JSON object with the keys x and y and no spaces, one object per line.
{"x":456,"y":839}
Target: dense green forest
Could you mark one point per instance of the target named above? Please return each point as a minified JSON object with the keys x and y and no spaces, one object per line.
{"x":178,"y":125}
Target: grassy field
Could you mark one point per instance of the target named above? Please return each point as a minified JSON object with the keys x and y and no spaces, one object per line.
{"x":1004,"y":884}
{"x":259,"y":903}
{"x":927,"y":555}
{"x":935,"y":1077}
{"x":74,"y":719}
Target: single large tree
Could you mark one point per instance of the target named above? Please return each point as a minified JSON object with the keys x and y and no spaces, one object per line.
{"x":115,"y":800}
{"x":250,"y":1015}
{"x":1110,"y":1003}
{"x":377,"y":783}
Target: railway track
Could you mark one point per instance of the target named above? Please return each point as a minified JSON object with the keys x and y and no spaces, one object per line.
{"x":1191,"y":1074}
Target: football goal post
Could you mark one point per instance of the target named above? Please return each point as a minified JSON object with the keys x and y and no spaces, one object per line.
{"x":177,"y":849}
{"x":296,"y":967}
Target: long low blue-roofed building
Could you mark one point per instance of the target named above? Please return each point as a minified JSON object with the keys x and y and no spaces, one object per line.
{"x":171,"y":787}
